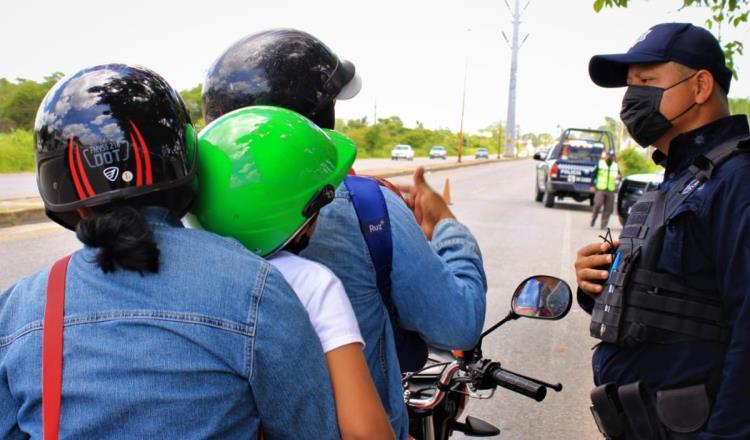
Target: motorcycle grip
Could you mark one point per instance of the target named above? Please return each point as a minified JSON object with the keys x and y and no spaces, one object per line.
{"x":519,"y":384}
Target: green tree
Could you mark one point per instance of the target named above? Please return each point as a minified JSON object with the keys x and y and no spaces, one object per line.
{"x":374,"y":138}
{"x":194,"y":104}
{"x":19,"y":108}
{"x":722,"y":12}
{"x":633,"y":161}
{"x":392,"y":125}
{"x":531,"y":137}
{"x":495,"y":131}
{"x":546,"y":139}
{"x":357,"y":123}
{"x":618,"y":130}
{"x":19,"y":101}
{"x":739,"y":106}
{"x":51,"y":80}
{"x":420,"y":138}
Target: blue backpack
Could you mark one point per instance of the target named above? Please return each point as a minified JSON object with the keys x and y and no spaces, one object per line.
{"x":372,"y":213}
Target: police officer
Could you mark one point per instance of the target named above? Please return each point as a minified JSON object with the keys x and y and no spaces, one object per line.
{"x":674,"y":308}
{"x":607,"y":174}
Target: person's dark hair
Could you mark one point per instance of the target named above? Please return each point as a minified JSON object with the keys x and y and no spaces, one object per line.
{"x":122,"y":233}
{"x":123,"y":236}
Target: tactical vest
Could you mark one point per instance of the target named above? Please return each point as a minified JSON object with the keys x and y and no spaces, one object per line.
{"x":642,"y":304}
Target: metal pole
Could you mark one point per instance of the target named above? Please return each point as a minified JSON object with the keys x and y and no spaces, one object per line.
{"x":510,"y":135}
{"x":463,"y":105}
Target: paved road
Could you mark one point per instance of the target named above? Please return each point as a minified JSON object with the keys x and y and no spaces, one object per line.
{"x":519,"y":238}
{"x":24,"y":184}
{"x":17,"y":185}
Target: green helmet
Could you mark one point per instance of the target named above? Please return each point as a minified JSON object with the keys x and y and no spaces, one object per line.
{"x":264,"y":172}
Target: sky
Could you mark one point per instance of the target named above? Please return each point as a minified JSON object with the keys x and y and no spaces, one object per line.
{"x":411,"y":54}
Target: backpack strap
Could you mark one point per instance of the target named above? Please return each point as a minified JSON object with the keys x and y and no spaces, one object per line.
{"x":372,"y":212}
{"x":375,"y":225}
{"x":52,"y":348}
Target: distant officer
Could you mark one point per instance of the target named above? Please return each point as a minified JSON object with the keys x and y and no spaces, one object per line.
{"x":607,"y":175}
{"x":674,"y":310}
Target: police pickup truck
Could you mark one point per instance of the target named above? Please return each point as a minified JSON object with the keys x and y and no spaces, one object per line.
{"x":569,"y":168}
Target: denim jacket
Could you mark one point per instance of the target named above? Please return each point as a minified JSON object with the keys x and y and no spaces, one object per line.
{"x":438,"y":288}
{"x":214,"y":345}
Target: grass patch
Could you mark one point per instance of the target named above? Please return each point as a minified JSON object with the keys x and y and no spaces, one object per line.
{"x":16,"y":151}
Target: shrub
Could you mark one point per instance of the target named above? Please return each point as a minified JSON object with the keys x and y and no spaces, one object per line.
{"x":633,"y":161}
{"x":16,"y":151}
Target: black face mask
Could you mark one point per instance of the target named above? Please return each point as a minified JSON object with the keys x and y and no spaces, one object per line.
{"x":641,"y":116}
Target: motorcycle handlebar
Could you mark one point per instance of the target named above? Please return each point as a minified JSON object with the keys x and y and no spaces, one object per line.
{"x":521,"y":385}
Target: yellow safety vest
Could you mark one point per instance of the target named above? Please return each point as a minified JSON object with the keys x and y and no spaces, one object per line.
{"x":606,"y":177}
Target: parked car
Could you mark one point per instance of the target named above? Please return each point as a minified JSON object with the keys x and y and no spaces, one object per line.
{"x":482,"y":153}
{"x":402,"y":152}
{"x":631,"y":189}
{"x":569,"y":168}
{"x":438,"y":152}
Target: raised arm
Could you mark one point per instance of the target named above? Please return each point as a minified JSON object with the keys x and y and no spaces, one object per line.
{"x":439,"y":287}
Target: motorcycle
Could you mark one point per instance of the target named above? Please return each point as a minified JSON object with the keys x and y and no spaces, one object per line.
{"x":437,"y":395}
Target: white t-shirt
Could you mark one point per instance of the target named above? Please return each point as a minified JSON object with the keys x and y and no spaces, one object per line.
{"x":320,"y":291}
{"x":324,"y":298}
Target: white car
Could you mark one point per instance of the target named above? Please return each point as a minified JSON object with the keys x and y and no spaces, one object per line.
{"x":438,"y":152}
{"x":402,"y":152}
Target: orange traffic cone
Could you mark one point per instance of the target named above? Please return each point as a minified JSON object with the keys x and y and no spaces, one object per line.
{"x":447,"y":192}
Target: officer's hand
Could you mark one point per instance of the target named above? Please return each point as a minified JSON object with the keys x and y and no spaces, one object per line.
{"x":589,"y":259}
{"x":428,"y":206}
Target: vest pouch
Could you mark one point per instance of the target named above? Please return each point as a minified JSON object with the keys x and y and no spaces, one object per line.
{"x":684,"y":411}
{"x":607,"y":315}
{"x":634,"y":335}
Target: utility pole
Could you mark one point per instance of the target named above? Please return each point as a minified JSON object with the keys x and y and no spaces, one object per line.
{"x":463,"y":105}
{"x":375,"y":113}
{"x":510,"y":136}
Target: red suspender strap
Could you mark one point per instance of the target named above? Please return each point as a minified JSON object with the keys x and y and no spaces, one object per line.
{"x":52,"y":349}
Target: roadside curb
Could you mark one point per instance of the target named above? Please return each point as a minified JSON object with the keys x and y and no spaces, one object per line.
{"x":18,"y":211}
{"x":434,"y":168}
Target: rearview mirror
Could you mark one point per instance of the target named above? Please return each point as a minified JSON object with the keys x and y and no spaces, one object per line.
{"x":539,"y":155}
{"x":542,"y":297}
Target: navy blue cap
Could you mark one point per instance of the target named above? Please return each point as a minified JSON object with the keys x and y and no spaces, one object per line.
{"x":683,"y":43}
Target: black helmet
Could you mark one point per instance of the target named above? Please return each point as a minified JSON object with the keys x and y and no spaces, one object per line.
{"x":280,"y":67}
{"x":110,"y":132}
